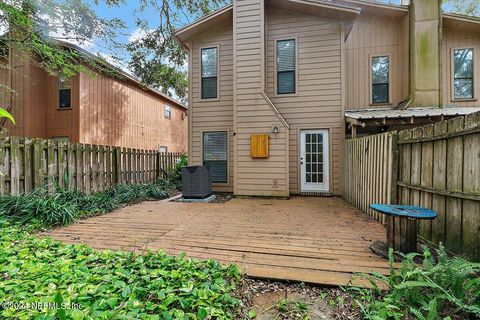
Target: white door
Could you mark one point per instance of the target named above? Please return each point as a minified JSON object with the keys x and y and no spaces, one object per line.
{"x":314,"y":161}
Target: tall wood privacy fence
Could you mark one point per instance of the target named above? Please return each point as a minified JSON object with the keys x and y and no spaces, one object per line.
{"x":26,"y":164}
{"x":438,"y":167}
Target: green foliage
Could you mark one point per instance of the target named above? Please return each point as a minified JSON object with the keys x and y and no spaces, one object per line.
{"x":156,"y":57}
{"x":5,"y":114}
{"x":467,"y":7}
{"x":32,"y":23}
{"x":64,"y":206}
{"x":434,"y":290}
{"x":292,"y":309}
{"x":175,"y":175}
{"x":109,"y":284}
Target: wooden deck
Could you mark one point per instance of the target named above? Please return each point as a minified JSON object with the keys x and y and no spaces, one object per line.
{"x":315,"y":240}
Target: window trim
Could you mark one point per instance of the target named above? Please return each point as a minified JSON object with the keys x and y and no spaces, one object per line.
{"x":275,"y":67}
{"x":452,"y":75}
{"x":165,"y":111}
{"x":200,"y":72}
{"x":58,"y":95}
{"x":370,"y":79}
{"x":227,"y":131}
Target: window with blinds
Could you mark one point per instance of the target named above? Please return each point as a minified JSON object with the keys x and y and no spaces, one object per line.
{"x":215,"y":154}
{"x":380,"y":79}
{"x":463,"y":73}
{"x":209,"y":73}
{"x":286,"y":64}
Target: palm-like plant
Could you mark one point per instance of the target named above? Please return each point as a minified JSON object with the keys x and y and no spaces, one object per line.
{"x":5,"y":114}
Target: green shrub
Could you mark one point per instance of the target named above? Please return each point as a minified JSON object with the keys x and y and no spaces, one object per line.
{"x":447,"y":289}
{"x":109,"y":284}
{"x":175,"y":175}
{"x":62,"y":207}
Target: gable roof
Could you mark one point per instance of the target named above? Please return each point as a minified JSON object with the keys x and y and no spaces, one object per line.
{"x":329,"y":8}
{"x":124,"y":74}
{"x":456,"y":21}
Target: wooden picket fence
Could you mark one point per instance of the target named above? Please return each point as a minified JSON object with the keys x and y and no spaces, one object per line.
{"x":434,"y":166}
{"x":368,"y":165}
{"x":27,"y":164}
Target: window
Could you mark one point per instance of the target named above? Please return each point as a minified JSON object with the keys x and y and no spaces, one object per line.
{"x":215,"y":155}
{"x":209,"y":73}
{"x":163,"y":149}
{"x":286,"y":61}
{"x":380,"y":79}
{"x":168,"y":111}
{"x":463,"y":73}
{"x":64,"y":93}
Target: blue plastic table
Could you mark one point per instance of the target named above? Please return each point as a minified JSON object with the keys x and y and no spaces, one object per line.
{"x":402,"y":224}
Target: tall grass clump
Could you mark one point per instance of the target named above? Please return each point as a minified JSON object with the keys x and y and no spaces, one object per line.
{"x":442,"y":288}
{"x":42,"y":209}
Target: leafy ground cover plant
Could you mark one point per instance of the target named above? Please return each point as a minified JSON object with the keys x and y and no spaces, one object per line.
{"x":448,"y":288}
{"x":108,"y":284}
{"x":42,"y":209}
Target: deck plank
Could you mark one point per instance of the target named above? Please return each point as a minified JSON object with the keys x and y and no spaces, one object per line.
{"x":316,"y":240}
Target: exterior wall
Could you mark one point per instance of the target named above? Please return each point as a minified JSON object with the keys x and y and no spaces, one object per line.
{"x":456,"y":39}
{"x":61,"y":123}
{"x":318,"y":102}
{"x":27,"y":98}
{"x":252,"y":114}
{"x":376,"y":35}
{"x":216,"y":114}
{"x":104,"y":111}
{"x":425,"y":80}
{"x":118,"y":113}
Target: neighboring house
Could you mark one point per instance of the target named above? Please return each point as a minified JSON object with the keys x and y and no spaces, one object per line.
{"x":92,"y":108}
{"x":276,"y":85}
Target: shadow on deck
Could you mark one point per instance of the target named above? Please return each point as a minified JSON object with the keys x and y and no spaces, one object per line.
{"x":315,"y":240}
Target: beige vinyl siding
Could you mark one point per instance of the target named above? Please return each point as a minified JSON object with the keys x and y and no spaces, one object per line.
{"x":267,"y":177}
{"x":213,"y":114}
{"x":453,"y":39}
{"x":317,"y":104}
{"x":375,"y":35}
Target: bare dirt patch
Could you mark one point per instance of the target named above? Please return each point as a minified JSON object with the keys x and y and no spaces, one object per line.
{"x":265,"y":300}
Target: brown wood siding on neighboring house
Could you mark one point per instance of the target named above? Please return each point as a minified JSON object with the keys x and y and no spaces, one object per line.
{"x":120,"y":113}
{"x":213,"y":114}
{"x":268,"y":177}
{"x":61,"y":123}
{"x":376,"y":35}
{"x":317,"y":104}
{"x":454,"y":39}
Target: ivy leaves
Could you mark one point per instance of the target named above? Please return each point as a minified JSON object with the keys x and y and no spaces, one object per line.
{"x":110,"y":284}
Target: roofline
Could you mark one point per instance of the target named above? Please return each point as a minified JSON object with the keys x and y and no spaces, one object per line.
{"x":461,"y":17}
{"x":322,"y":3}
{"x":389,"y":6}
{"x":120,"y":71}
{"x":210,"y":16}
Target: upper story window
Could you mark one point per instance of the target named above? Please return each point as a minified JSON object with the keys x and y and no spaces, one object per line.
{"x":286,"y":64}
{"x":64,"y":93}
{"x":380,"y":79}
{"x":209,"y":73}
{"x":463,"y":73}
{"x":168,"y":111}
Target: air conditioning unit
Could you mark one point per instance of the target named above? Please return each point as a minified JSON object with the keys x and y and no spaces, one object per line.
{"x":196,"y":182}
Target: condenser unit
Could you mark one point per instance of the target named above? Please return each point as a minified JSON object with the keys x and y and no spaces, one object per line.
{"x":196,"y":182}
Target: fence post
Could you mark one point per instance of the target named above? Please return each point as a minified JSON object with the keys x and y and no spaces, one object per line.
{"x":117,"y":174}
{"x":14,"y":166}
{"x":394,"y":172}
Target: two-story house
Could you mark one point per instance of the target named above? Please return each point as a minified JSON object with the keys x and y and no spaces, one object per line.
{"x":276,"y":85}
{"x":91,"y":107}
